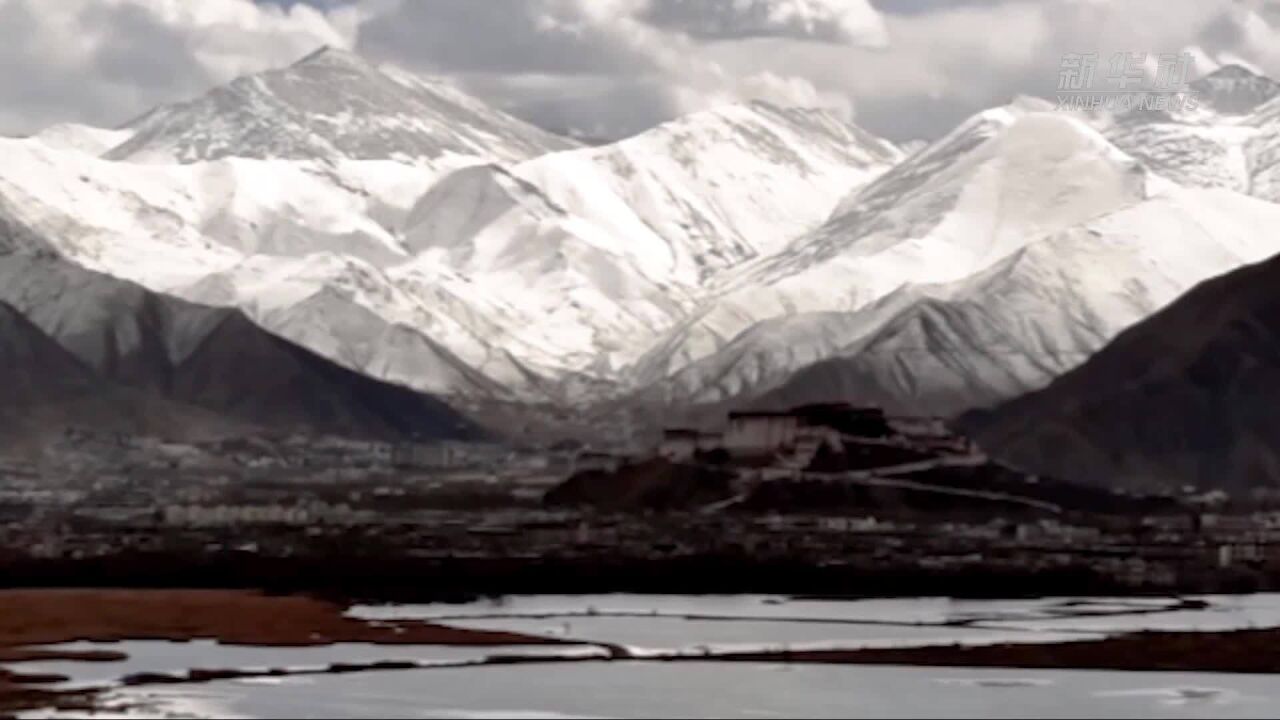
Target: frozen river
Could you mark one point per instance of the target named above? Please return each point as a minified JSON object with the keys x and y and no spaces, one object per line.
{"x":649,"y":627}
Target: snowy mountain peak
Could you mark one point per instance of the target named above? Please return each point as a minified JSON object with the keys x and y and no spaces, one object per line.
{"x":925,"y":161}
{"x":1235,"y":90}
{"x":719,"y":186}
{"x":1004,"y":179}
{"x":333,"y":105}
{"x":1230,"y":74}
{"x":760,"y":123}
{"x":334,"y":57}
{"x":1018,"y":170}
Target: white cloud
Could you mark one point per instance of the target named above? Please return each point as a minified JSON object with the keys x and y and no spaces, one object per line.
{"x":947,"y":60}
{"x":849,"y":22}
{"x":101,"y":61}
{"x":613,"y":66}
{"x":909,"y":67}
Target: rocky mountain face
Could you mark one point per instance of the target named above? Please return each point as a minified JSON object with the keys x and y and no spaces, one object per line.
{"x":49,"y":390}
{"x":1183,"y":398}
{"x":1227,"y":140}
{"x":1234,"y":90}
{"x":37,"y":369}
{"x":331,"y":105}
{"x":99,"y":353}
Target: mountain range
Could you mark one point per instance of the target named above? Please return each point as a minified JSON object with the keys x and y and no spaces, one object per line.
{"x":748,"y":255}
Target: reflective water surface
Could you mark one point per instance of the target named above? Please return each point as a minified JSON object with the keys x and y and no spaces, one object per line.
{"x":653,"y":627}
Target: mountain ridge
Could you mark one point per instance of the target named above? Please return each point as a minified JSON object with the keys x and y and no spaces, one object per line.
{"x":1182,"y":398}
{"x":331,"y":104}
{"x":743,"y":254}
{"x":181,"y":355}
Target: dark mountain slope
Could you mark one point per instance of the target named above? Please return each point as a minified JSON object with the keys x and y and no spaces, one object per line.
{"x":244,"y":372}
{"x":1188,"y":397}
{"x":216,"y":360}
{"x":47,"y":389}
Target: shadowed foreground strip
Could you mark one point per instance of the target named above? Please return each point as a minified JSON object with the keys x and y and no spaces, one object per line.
{"x":1247,"y":651}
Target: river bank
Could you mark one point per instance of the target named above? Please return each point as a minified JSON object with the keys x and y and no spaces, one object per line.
{"x":112,"y":645}
{"x":1244,"y":651}
{"x":31,"y":620}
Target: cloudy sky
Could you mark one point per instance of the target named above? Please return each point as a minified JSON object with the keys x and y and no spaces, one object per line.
{"x":904,"y":68}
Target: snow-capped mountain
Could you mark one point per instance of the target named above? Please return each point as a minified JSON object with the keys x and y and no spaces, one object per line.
{"x":456,"y":265}
{"x":1234,"y":90}
{"x":353,"y":313}
{"x":979,"y":269}
{"x":332,"y":105}
{"x":327,"y":155}
{"x":1186,"y":397}
{"x":743,"y":254}
{"x":1043,"y":311}
{"x":164,"y":225}
{"x":718,"y":187}
{"x":584,"y":258}
{"x":947,"y":213}
{"x":1227,"y":140}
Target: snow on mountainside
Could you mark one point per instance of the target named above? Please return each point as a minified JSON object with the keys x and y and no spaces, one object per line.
{"x":199,"y":229}
{"x":720,"y":186}
{"x":584,"y":258}
{"x":332,"y":105}
{"x":473,"y":274}
{"x":746,"y":253}
{"x":1194,"y":155}
{"x":161,"y":224}
{"x":1230,"y":139}
{"x":1264,"y":151}
{"x":82,"y":138}
{"x":999,"y":181}
{"x":1185,"y":398}
{"x":1234,"y":90}
{"x":979,"y":269}
{"x":351,"y":312}
{"x":1044,"y":311}
{"x":501,"y":282}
